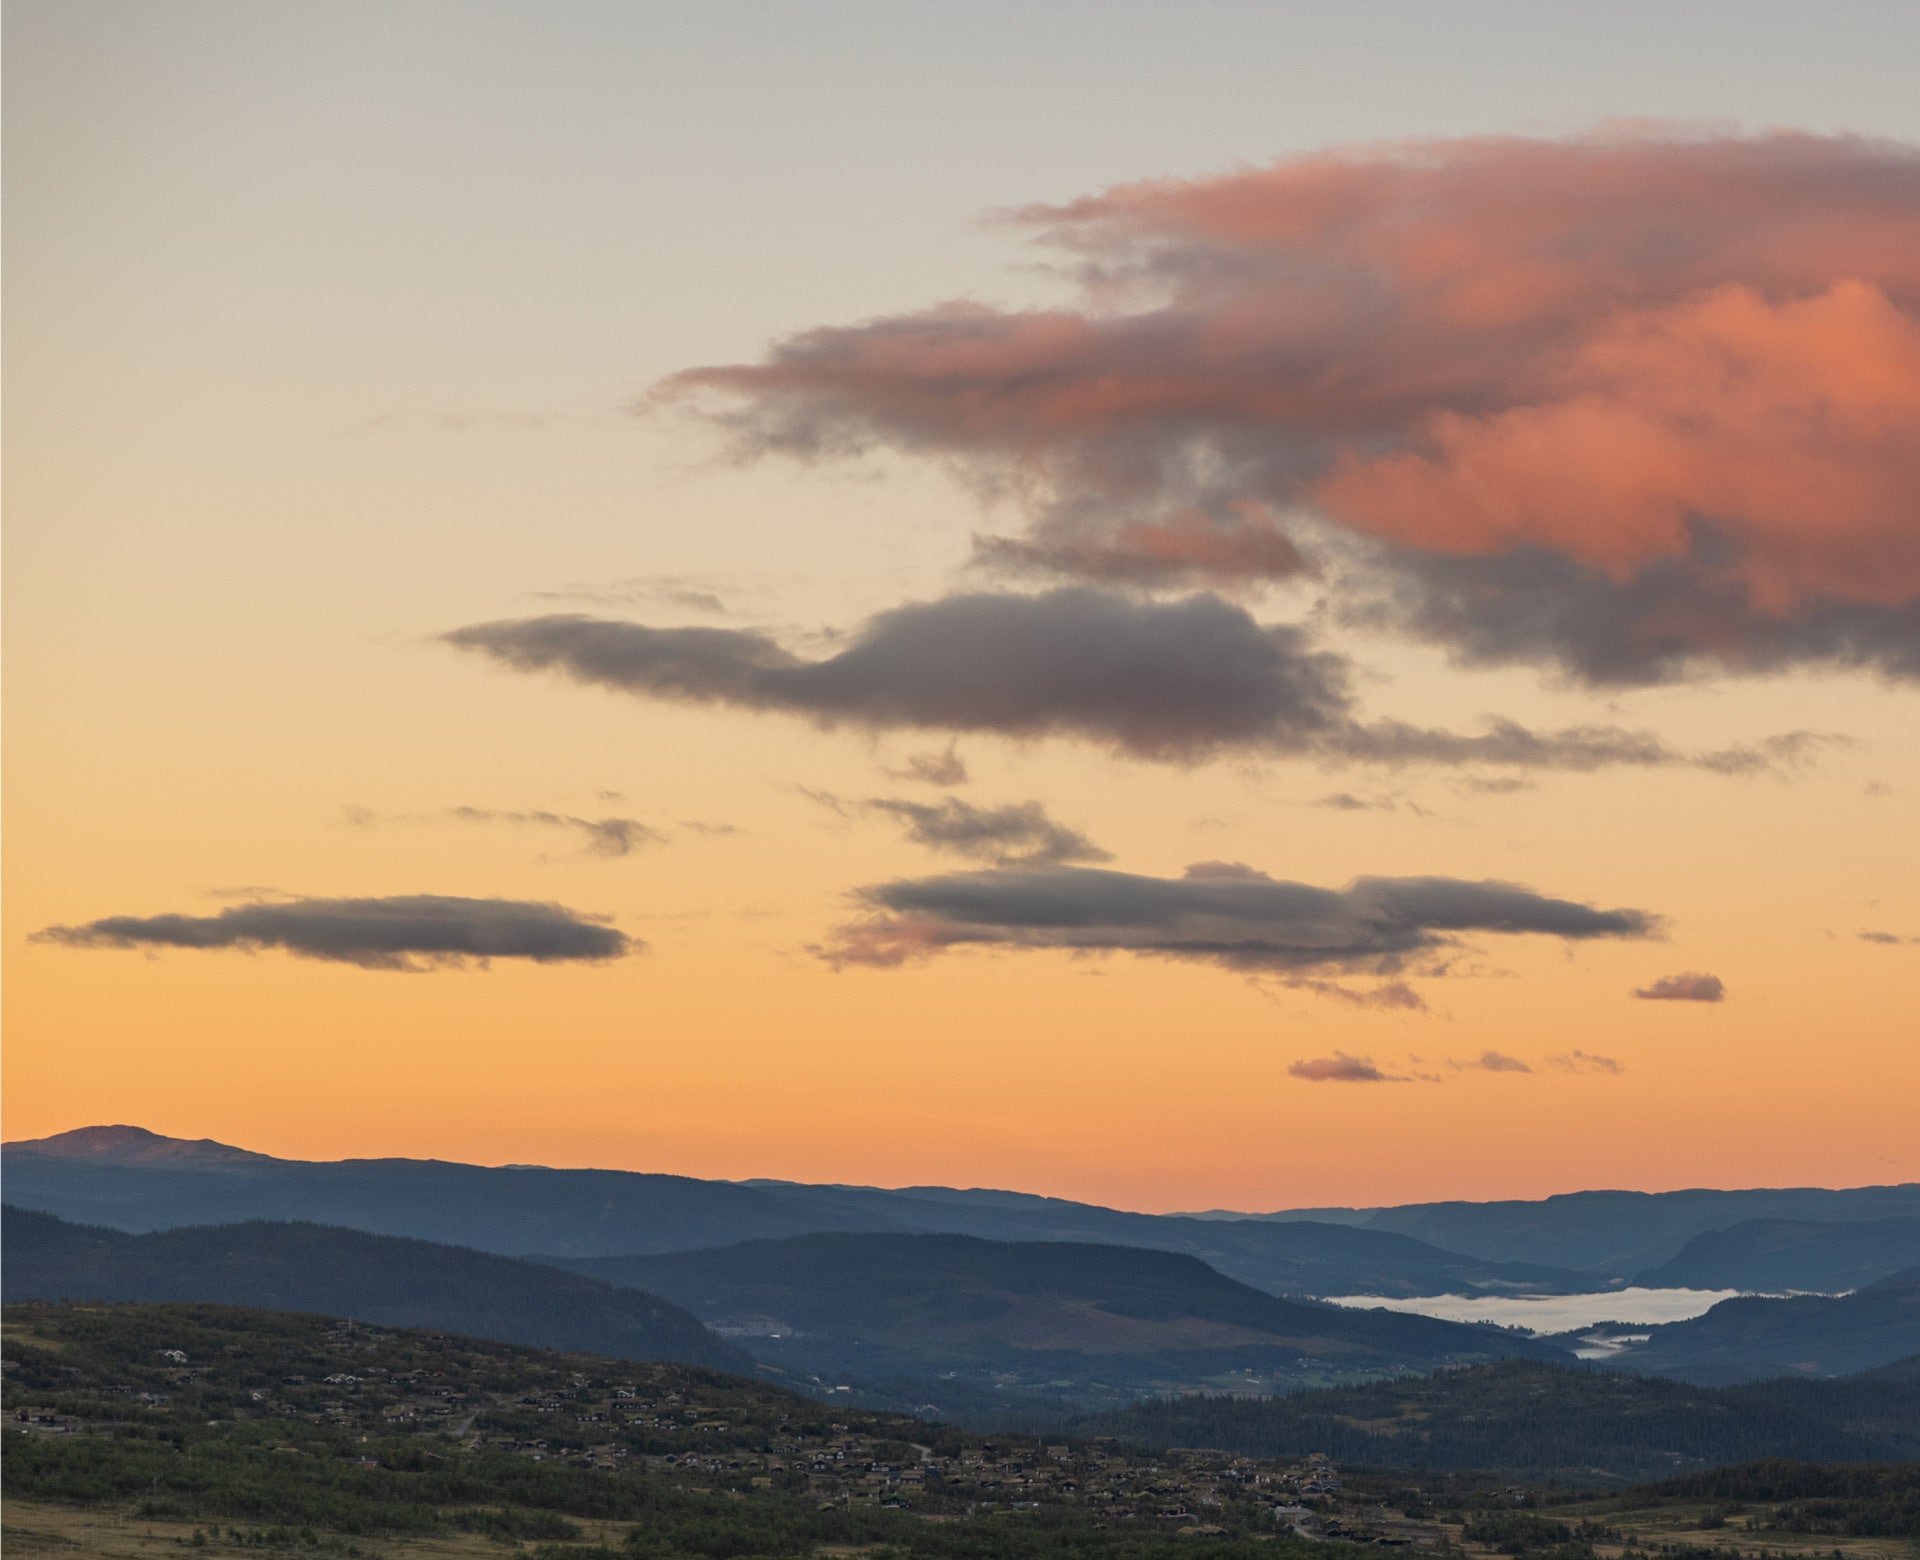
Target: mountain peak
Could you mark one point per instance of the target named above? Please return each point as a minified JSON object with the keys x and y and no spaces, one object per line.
{"x":128,"y":1145}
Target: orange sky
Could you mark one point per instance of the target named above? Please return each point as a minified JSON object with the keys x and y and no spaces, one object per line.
{"x":312,"y":364}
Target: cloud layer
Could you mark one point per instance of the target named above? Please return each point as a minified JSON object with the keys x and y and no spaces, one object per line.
{"x":1676,"y":378}
{"x":1218,"y":912}
{"x":1172,"y":680}
{"x":406,"y":932}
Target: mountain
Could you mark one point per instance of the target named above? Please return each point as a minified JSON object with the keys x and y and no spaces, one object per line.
{"x":396,"y":1283}
{"x":1611,"y":1233}
{"x":1753,"y":1337}
{"x":1063,"y":1321}
{"x":1792,"y":1255}
{"x":1571,"y":1426}
{"x":129,"y":1179}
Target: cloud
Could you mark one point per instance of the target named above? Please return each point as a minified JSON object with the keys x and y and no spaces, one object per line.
{"x":1690,"y":986}
{"x":1018,"y":834}
{"x":1492,"y":1061}
{"x":1674,"y":376}
{"x":944,"y":768}
{"x":1346,"y":801}
{"x":1175,"y":681}
{"x":1219,"y":913}
{"x":1885,"y":939}
{"x":1342,"y":1068}
{"x":1585,"y":1062}
{"x":406,"y":932}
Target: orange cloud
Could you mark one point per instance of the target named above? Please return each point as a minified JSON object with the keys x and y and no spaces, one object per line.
{"x":1685,"y":371}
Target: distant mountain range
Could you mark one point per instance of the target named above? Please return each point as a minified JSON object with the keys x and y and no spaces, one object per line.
{"x":373,"y":1278}
{"x":1571,"y":1426}
{"x":1068,"y":1321}
{"x":131,"y":1179}
{"x":1612,"y":1233}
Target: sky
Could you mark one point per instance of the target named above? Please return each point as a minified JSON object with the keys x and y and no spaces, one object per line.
{"x":1232,"y":605}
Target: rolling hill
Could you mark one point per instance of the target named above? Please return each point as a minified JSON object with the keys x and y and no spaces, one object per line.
{"x":1064,"y":1320}
{"x":1755,"y":1337}
{"x":375,"y":1278}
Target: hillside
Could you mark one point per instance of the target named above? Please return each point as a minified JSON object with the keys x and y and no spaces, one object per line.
{"x":1571,"y":1426}
{"x":1792,"y":1255}
{"x":1070,"y":1320}
{"x":220,"y":1417}
{"x":1754,"y":1337}
{"x":398,"y":1283}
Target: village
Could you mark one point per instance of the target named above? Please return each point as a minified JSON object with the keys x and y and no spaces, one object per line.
{"x":725,"y":1435}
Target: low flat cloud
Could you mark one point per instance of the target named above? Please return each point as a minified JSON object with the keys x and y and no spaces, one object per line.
{"x":1688,"y":986}
{"x":1014,"y":834}
{"x":1885,"y":939}
{"x":1342,"y":1068}
{"x":1637,"y":404}
{"x":406,"y":932}
{"x":1176,"y":681}
{"x":1222,"y":913}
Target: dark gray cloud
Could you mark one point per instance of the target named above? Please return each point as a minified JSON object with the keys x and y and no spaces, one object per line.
{"x":1688,"y":986}
{"x":1885,"y":939}
{"x":1017,"y":834}
{"x":1219,"y":912}
{"x":405,"y":932}
{"x":1342,"y":1068}
{"x":1168,"y":680}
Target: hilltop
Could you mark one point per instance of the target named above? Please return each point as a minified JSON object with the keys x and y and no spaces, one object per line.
{"x":1052,"y":1322}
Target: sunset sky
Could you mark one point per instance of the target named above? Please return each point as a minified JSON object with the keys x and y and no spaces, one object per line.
{"x":1221,"y":605}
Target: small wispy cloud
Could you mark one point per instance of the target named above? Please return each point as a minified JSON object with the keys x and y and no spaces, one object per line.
{"x":1585,"y":1062}
{"x":1493,"y":1062}
{"x":1342,"y":1068}
{"x":942,"y":766}
{"x":609,"y":837}
{"x":1688,"y":986}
